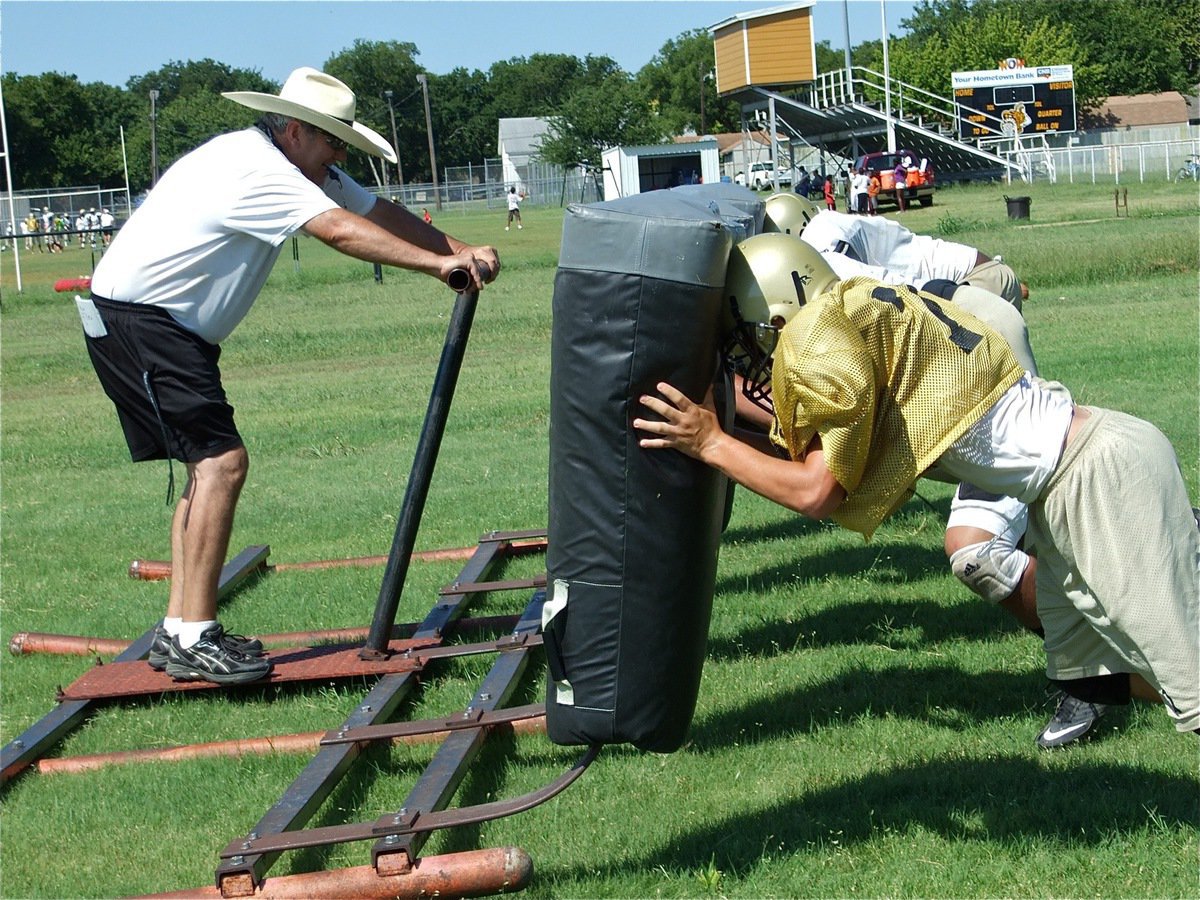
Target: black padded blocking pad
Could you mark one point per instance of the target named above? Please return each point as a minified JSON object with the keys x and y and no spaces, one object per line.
{"x":633,"y":533}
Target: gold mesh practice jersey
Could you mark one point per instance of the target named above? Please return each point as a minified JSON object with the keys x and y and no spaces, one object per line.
{"x":889,"y":378}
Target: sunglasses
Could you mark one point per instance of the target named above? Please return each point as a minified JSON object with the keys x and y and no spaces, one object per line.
{"x":335,"y":143}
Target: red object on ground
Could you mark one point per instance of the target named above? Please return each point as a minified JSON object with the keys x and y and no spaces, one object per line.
{"x":130,"y":679}
{"x":72,"y":284}
{"x":307,"y":742}
{"x":470,"y":873}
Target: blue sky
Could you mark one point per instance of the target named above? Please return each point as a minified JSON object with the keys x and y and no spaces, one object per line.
{"x":112,"y":40}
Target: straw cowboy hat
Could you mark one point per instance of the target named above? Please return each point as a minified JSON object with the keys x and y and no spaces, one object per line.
{"x":322,"y":101}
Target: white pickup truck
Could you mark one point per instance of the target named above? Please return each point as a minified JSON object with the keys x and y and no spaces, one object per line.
{"x":760,"y":176}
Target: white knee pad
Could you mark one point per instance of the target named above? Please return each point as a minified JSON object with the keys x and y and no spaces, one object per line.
{"x":992,"y":569}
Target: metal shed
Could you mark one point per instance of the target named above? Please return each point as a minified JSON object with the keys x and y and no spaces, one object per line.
{"x":636,"y":170}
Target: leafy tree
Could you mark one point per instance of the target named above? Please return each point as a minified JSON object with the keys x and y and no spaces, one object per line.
{"x":371,"y":68}
{"x":183,"y":125}
{"x":600,"y":70}
{"x":980,"y":37}
{"x":465,"y":129}
{"x":536,"y":86}
{"x":680,"y":85}
{"x":189,"y":111}
{"x":1116,"y":47}
{"x":181,"y":79}
{"x":1140,"y":46}
{"x":828,"y":59}
{"x":597,"y":116}
{"x":931,"y":17}
{"x":63,"y":132}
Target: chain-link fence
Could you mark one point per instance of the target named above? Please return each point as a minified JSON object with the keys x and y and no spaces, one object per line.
{"x":63,"y":214}
{"x":483,"y":187}
{"x":462,"y":189}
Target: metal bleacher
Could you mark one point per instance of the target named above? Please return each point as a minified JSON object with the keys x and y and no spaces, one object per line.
{"x":847,"y":112}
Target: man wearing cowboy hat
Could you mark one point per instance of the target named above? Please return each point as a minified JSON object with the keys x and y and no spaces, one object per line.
{"x":178,"y":278}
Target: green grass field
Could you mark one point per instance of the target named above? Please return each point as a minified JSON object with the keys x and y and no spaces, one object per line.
{"x":865,"y":725}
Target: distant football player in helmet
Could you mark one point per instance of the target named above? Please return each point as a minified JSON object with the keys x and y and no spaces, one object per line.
{"x":788,"y":213}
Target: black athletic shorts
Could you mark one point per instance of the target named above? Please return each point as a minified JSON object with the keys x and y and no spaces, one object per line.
{"x":164,"y":381}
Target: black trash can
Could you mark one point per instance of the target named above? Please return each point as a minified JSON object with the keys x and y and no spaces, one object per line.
{"x":1018,"y":207}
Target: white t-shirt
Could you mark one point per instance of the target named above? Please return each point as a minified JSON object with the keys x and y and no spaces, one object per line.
{"x":878,"y":241}
{"x":1014,"y":449}
{"x":514,"y":200}
{"x":204,"y":241}
{"x":845,"y":267}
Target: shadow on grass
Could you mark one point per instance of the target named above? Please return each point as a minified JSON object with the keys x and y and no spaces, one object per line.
{"x":944,"y":694}
{"x":896,"y":624}
{"x":887,"y":564}
{"x":795,"y":526}
{"x":998,"y":799}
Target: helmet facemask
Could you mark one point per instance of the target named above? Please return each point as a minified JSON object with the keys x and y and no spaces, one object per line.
{"x":769,"y":278}
{"x":749,"y":351}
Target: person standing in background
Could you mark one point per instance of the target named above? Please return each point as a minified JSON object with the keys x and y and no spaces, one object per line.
{"x":514,"y":209}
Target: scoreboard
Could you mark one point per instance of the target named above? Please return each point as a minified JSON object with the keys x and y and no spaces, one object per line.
{"x":1015,"y":102}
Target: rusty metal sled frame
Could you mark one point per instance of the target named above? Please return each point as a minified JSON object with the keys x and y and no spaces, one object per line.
{"x":398,"y":836}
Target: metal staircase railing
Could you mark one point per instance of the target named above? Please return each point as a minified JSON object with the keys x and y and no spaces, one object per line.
{"x":1031,"y":157}
{"x":864,"y":90}
{"x":860,"y":86}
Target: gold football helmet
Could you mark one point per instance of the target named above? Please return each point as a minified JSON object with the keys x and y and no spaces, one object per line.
{"x":788,"y":213}
{"x":770,"y":276}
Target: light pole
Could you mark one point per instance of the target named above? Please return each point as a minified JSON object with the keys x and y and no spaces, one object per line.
{"x":153,"y":139}
{"x":395,"y":143}
{"x":887,"y":81}
{"x":423,"y":80}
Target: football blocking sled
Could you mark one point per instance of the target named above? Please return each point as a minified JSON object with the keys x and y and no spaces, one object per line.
{"x":633,"y":535}
{"x":741,"y":208}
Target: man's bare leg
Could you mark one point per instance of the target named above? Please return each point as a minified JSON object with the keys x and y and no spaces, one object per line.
{"x":200,"y":539}
{"x":178,"y":563}
{"x":201,"y":529}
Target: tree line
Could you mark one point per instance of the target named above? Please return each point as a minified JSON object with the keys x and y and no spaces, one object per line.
{"x":63,"y":132}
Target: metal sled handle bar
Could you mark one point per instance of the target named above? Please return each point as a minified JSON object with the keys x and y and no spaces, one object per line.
{"x":405,"y":822}
{"x":409,"y":520}
{"x":460,"y":279}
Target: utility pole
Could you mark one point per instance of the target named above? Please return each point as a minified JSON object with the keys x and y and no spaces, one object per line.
{"x":423,"y":79}
{"x":887,"y":81}
{"x":153,"y":139}
{"x":395,"y":142}
{"x":703,"y":129}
